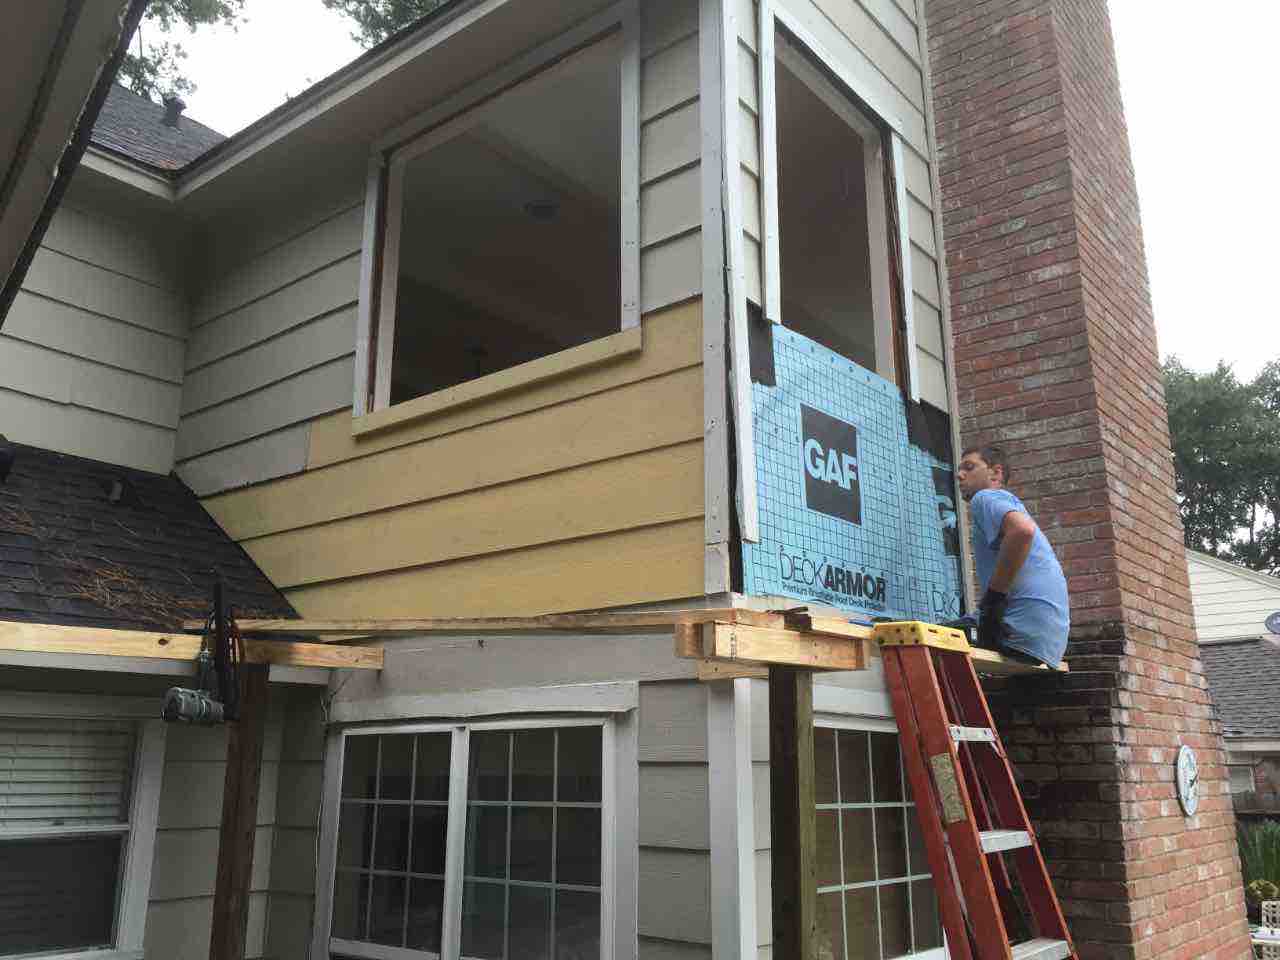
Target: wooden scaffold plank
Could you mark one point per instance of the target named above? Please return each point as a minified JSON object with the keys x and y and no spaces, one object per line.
{"x":48,"y":638}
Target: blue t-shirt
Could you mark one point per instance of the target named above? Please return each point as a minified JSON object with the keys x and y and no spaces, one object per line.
{"x":1038,"y":615}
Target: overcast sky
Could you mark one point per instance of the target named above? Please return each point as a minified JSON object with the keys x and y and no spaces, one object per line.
{"x":1199,"y":98}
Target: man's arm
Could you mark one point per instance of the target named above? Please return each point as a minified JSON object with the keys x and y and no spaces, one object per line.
{"x":1017,"y":532}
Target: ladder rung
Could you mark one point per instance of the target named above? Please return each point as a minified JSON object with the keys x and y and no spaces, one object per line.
{"x":1042,"y":949}
{"x":994,"y":841}
{"x":982,"y":734}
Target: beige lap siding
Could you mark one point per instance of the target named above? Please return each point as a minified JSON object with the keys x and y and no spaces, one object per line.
{"x":91,"y":350}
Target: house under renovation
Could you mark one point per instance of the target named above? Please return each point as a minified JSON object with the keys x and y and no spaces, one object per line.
{"x":538,"y":309}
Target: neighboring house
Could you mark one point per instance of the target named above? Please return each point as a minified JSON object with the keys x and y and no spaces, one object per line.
{"x":1242,"y":663}
{"x":449,"y":334}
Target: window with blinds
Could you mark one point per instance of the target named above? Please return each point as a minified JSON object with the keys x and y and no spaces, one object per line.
{"x":65,"y":788}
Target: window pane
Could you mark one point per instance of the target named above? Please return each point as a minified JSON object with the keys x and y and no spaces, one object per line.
{"x":858,"y":863}
{"x":824,"y":251}
{"x":891,"y":842}
{"x":885,"y":771}
{"x":360,"y":767}
{"x":831,"y":925}
{"x":426,"y":908}
{"x":579,"y":774}
{"x":534,"y":764}
{"x":824,"y":765}
{"x":355,"y":834}
{"x":397,"y":767}
{"x":861,"y":929}
{"x":391,"y":850}
{"x":530,"y":924}
{"x":578,"y":846}
{"x":432,"y":770}
{"x":486,"y":842}
{"x":895,"y":920}
{"x":577,"y":925}
{"x":429,"y":838}
{"x":855,"y":780}
{"x":386,"y":911}
{"x":58,"y":894}
{"x":483,"y":911}
{"x":915,"y":844}
{"x":510,"y":244}
{"x":531,"y":843}
{"x":924,"y":909}
{"x":828,"y":843}
{"x":490,"y":759}
{"x":350,"y":905}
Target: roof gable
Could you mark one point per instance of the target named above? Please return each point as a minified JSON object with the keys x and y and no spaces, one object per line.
{"x":134,"y":126}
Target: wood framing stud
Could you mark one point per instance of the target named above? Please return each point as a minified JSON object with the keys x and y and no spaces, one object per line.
{"x":239,"y":818}
{"x":45,"y":638}
{"x":792,"y":813}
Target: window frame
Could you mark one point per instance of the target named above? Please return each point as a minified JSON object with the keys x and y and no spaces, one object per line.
{"x":133,"y":886}
{"x":614,"y":834}
{"x":776,"y":15}
{"x":868,"y":724}
{"x":375,"y":337}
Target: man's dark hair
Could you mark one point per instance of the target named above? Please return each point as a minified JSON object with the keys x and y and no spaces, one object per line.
{"x":992,"y":456}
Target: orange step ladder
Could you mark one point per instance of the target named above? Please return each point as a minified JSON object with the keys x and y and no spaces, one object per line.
{"x":970,"y":812}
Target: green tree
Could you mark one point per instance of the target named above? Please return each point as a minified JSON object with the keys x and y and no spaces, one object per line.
{"x":1226,"y":455}
{"x":153,"y":67}
{"x":376,"y":20}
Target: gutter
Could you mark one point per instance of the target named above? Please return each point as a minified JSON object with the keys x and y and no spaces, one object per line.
{"x":75,"y":147}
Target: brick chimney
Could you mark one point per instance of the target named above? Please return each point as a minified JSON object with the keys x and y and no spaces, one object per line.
{"x":1056,"y":360}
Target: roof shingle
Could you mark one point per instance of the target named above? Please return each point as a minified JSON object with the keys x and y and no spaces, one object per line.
{"x":69,"y":555}
{"x":133,"y":125}
{"x":1244,"y":680}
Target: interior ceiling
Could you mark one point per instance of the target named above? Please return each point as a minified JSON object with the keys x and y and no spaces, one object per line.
{"x":552,"y":143}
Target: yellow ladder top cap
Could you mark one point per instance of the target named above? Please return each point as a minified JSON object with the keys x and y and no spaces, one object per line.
{"x":917,"y":633}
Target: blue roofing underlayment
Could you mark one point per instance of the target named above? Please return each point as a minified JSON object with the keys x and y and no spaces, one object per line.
{"x":853,"y":514}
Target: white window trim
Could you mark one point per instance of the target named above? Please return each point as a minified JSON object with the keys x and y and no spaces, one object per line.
{"x":774,"y":13}
{"x":144,"y":808}
{"x":449,"y":119}
{"x":833,"y":722}
{"x":619,"y":837}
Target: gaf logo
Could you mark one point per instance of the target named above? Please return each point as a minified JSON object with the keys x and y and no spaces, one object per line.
{"x":830,"y":453}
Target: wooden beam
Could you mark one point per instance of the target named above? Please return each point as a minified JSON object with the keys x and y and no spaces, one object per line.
{"x":792,"y":813}
{"x":829,"y":626}
{"x":48,"y":638}
{"x":724,"y":670}
{"x":771,"y":645}
{"x":602,"y":622}
{"x":239,"y":818}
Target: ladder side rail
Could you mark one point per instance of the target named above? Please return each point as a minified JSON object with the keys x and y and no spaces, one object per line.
{"x":983,"y":814}
{"x":928,"y":814}
{"x":961,"y":830}
{"x":993,"y":765}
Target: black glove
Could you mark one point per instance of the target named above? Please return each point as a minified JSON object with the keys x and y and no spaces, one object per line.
{"x":991,"y":619}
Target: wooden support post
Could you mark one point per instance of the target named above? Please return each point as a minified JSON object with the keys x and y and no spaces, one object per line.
{"x":792,"y":815}
{"x":239,"y":817}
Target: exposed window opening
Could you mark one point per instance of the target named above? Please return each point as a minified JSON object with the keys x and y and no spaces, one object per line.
{"x":503,"y":237}
{"x":833,"y":257}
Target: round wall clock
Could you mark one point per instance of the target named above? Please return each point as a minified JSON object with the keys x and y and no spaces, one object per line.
{"x":1273,"y":622}
{"x":1188,"y":780}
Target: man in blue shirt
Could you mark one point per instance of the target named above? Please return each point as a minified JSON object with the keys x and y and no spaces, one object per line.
{"x":1024,"y":608}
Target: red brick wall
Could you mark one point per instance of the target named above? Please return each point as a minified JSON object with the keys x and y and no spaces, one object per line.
{"x":1056,"y":360}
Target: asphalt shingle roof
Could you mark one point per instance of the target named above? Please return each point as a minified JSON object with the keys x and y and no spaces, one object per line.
{"x":133,"y":125}
{"x":1244,"y":679}
{"x":69,"y":555}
